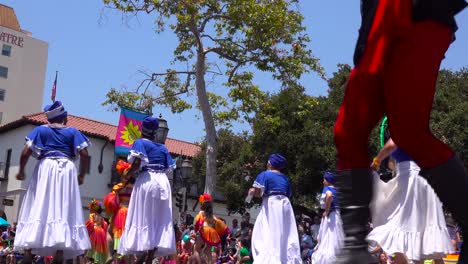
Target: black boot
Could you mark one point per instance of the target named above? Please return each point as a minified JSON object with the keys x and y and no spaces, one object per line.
{"x":450,"y":182}
{"x":142,"y":258}
{"x":354,"y":195}
{"x":27,"y":258}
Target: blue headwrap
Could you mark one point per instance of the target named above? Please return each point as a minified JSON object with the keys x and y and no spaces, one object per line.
{"x":277,"y":161}
{"x":150,"y":125}
{"x":55,"y":112}
{"x":330,"y":177}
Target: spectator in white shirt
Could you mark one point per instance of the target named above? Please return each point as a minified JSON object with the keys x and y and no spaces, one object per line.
{"x":314,"y":229}
{"x":235,"y":227}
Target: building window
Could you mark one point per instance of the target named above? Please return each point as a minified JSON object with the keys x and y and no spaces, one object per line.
{"x":2,"y":95}
{"x":3,"y":72}
{"x":6,"y":50}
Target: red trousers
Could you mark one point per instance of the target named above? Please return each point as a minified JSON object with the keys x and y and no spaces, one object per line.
{"x":396,"y":76}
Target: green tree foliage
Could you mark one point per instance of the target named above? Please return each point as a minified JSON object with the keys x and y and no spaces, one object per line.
{"x":237,"y":167}
{"x":449,"y":119}
{"x":239,"y":35}
{"x":301,"y":127}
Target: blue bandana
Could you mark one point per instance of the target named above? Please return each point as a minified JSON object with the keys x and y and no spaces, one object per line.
{"x":330,"y":177}
{"x":150,"y":125}
{"x":277,"y":161}
{"x":55,"y":111}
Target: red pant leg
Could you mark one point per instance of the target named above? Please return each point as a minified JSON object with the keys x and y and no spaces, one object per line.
{"x":363,"y":103}
{"x":361,"y":109}
{"x":409,"y":86}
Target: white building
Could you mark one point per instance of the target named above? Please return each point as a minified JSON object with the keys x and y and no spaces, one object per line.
{"x":101,"y":175}
{"x":23,"y":64}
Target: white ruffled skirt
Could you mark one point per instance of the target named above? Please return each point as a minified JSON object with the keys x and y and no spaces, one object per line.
{"x":149,"y":218}
{"x":51,"y":215}
{"x":274,"y":238}
{"x":408,"y":216}
{"x":330,"y":237}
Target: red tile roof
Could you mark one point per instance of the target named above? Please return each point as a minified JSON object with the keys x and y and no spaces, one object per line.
{"x":8,"y":18}
{"x":101,"y":130}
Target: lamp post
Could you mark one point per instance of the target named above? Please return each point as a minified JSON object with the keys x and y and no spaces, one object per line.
{"x":161,"y":133}
{"x":186,"y":169}
{"x":184,"y":172}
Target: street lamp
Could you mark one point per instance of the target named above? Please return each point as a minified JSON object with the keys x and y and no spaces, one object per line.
{"x":161,"y":133}
{"x":186,"y":169}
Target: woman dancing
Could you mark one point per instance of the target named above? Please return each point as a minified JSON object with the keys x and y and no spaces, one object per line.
{"x":149,"y":226}
{"x":97,"y":229}
{"x":275,"y":238}
{"x":51,"y":218}
{"x":331,"y":236}
{"x":210,"y":230}
{"x":406,"y":213}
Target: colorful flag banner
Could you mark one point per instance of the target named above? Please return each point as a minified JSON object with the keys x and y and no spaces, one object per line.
{"x":128,"y":131}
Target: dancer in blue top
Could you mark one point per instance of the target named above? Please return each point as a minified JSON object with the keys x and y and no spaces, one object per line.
{"x":406,"y":213}
{"x":331,"y":236}
{"x":149,"y":228}
{"x":51,"y":219}
{"x":274,"y":238}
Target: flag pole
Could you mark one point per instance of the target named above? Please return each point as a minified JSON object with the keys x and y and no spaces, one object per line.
{"x":54,"y":88}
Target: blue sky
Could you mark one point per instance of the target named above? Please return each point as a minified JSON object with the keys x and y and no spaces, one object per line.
{"x":94,"y":49}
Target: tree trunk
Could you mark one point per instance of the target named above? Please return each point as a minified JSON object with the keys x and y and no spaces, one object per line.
{"x":211,"y":142}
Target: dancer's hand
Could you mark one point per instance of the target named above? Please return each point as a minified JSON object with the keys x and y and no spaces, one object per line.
{"x":81,"y":179}
{"x":126,"y":175}
{"x":20,"y":176}
{"x":375,"y":164}
{"x":325,"y":214}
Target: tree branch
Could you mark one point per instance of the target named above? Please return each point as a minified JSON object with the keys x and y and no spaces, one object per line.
{"x":217,"y":73}
{"x":144,"y":8}
{"x":149,"y":80}
{"x":216,"y":40}
{"x":211,"y":17}
{"x":241,"y":63}
{"x":153,"y":77}
{"x":233,"y":71}
{"x":185,"y":90}
{"x":207,"y":19}
{"x":219,"y":51}
{"x":219,"y":41}
{"x":174,"y":72}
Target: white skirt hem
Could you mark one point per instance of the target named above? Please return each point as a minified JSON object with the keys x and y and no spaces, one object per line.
{"x":149,"y":219}
{"x":51,"y":216}
{"x":274,"y":238}
{"x":330,"y":237}
{"x":408,"y":216}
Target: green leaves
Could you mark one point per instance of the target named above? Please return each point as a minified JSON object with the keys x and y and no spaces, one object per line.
{"x":449,"y":121}
{"x":116,"y":99}
{"x":171,"y":87}
{"x":237,"y":167}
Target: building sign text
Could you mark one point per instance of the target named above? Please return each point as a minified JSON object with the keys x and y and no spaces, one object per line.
{"x":12,"y":39}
